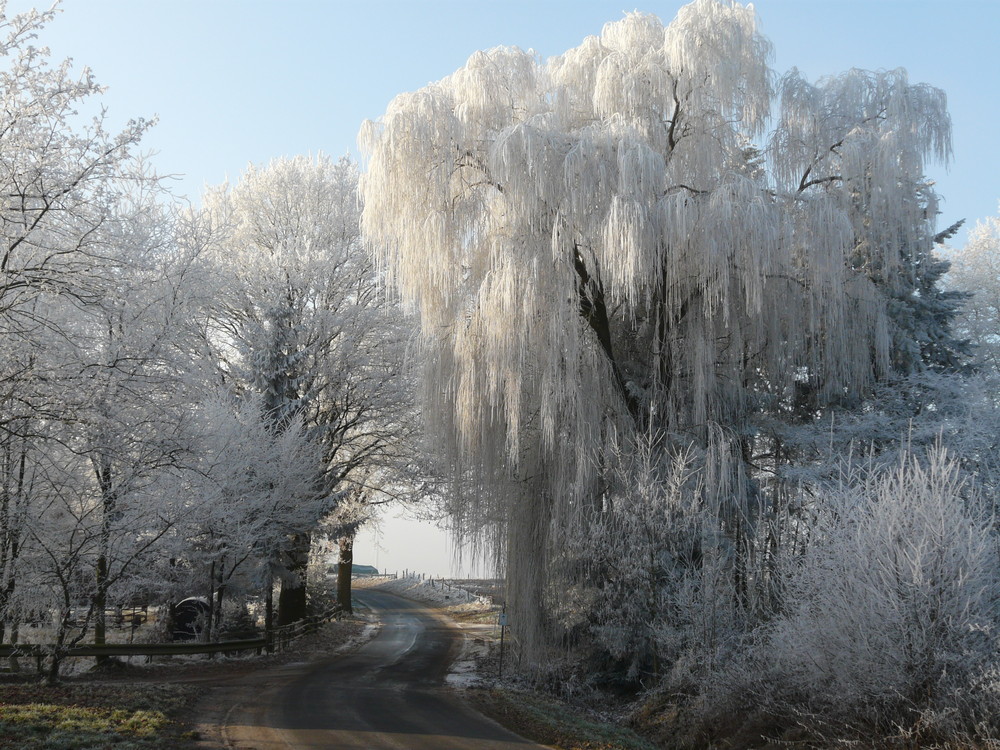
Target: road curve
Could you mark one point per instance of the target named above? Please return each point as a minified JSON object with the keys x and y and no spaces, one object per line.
{"x":388,"y":694}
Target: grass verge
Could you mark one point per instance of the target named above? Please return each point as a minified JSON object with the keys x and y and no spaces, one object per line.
{"x":93,"y":716}
{"x":551,"y":722}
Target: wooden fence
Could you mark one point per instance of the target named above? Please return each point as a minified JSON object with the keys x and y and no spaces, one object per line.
{"x":276,"y":639}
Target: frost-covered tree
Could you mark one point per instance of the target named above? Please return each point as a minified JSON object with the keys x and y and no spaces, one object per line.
{"x":99,"y":469}
{"x":54,"y":174}
{"x":255,"y":486}
{"x":975,"y":269}
{"x":53,"y":171}
{"x":299,"y":318}
{"x":69,"y":224}
{"x":131,"y":351}
{"x":78,"y":558}
{"x":609,"y":240}
{"x":647,"y":583}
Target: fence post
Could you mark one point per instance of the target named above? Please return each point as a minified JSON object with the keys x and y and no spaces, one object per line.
{"x":503,"y":627}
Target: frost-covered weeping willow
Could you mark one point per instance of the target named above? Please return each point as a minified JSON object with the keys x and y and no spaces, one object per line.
{"x":610,"y":240}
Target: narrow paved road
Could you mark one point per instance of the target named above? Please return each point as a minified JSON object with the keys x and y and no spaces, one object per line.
{"x":387,"y":694}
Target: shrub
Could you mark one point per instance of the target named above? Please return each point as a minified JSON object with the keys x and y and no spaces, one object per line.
{"x":890,"y":616}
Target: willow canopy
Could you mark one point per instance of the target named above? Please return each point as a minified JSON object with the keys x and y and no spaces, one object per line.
{"x":612,"y":239}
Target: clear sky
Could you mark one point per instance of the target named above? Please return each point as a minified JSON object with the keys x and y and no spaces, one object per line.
{"x":235,"y":82}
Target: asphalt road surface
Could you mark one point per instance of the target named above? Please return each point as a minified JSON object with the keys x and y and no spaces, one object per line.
{"x":388,"y":694}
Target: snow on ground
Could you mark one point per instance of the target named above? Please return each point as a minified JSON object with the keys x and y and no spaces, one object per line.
{"x":469,"y":668}
{"x":356,"y":641}
{"x":437,"y":592}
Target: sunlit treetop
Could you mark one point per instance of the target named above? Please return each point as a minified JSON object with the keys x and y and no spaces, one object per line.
{"x":516,"y":202}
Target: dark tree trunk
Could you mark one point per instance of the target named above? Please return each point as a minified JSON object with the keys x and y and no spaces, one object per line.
{"x":109,"y":502}
{"x":10,"y":534}
{"x":269,"y":612}
{"x":15,"y":636}
{"x":292,"y":599}
{"x":100,"y":604}
{"x":206,"y":633}
{"x":6,"y":596}
{"x":291,"y":602}
{"x":345,"y":568}
{"x":220,"y":592}
{"x":595,"y":312}
{"x":52,"y":674}
{"x":62,"y":631}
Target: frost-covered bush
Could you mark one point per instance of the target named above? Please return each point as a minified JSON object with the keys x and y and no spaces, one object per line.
{"x":891,"y":614}
{"x":645,"y":545}
{"x":648,"y":581}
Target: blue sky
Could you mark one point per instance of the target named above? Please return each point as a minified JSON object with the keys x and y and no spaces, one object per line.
{"x":238,"y":82}
{"x":235,"y":82}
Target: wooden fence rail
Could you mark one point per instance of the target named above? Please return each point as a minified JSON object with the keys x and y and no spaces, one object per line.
{"x":135,"y":649}
{"x":279,"y":638}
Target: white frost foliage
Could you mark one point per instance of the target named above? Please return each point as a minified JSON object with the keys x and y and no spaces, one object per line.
{"x":648,"y":573}
{"x":589,"y":177}
{"x":867,"y":134}
{"x":291,"y":217}
{"x":894,"y":605}
{"x":483,"y":191}
{"x":254,"y":472}
{"x":255,"y":486}
{"x":718,"y":43}
{"x":495,"y":87}
{"x":632,"y":81}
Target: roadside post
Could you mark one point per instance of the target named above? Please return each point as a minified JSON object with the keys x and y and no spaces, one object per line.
{"x":503,"y":627}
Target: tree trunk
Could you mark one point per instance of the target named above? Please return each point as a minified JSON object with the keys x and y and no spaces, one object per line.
{"x":7,"y":557}
{"x":62,"y":631}
{"x":527,"y":552}
{"x":168,"y":622}
{"x":15,"y":636}
{"x":292,"y":599}
{"x":10,"y":547}
{"x":102,"y":470}
{"x":7,"y":596}
{"x":52,"y":674}
{"x":100,"y":604}
{"x":291,"y":602}
{"x":269,"y":612}
{"x":345,"y":568}
{"x":595,"y":312}
{"x":210,"y":619}
{"x":220,"y":592}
